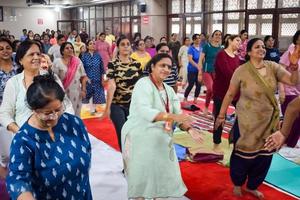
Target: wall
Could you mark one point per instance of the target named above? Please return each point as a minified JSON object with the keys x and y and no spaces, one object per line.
{"x":17,"y":18}
{"x":157,"y":24}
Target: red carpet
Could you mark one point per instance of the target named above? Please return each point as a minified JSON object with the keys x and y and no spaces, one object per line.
{"x":204,"y":181}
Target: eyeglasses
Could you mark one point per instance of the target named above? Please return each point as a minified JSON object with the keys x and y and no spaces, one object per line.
{"x":51,"y":115}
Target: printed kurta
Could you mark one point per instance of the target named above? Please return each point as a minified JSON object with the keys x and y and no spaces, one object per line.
{"x":93,"y":66}
{"x":254,"y":109}
{"x":73,"y":91}
{"x":151,"y":165}
{"x":51,"y":169}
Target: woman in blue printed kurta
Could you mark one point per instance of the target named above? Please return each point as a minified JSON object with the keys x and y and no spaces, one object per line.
{"x":93,"y":66}
{"x":50,"y":156}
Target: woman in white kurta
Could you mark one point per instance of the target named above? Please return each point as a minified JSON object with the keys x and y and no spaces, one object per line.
{"x":151,"y":165}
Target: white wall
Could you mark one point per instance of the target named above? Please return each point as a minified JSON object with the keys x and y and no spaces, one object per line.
{"x":157,"y":26}
{"x":17,"y":18}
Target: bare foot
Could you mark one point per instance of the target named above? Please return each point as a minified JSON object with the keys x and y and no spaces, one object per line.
{"x":185,"y":100}
{"x":237,"y":191}
{"x":217,"y":149}
{"x":256,"y":193}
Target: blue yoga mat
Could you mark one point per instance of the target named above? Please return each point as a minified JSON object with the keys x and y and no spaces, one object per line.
{"x":285,"y":175}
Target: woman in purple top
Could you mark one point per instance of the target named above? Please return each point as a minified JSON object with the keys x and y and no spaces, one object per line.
{"x":149,"y":46}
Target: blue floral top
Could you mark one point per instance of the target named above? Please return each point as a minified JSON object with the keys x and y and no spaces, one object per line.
{"x":51,"y":169}
{"x":93,"y":66}
{"x":4,"y":78}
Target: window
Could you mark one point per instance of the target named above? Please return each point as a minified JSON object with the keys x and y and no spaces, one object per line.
{"x":92,"y":12}
{"x":116,"y":26}
{"x":116,"y":10}
{"x":215,"y":5}
{"x":261,"y":4}
{"x":86,"y":13}
{"x":193,"y":25}
{"x":288,"y":3}
{"x":135,"y":9}
{"x":268,"y":4}
{"x":176,"y":26}
{"x":99,"y":24}
{"x":288,"y":29}
{"x":252,"y":29}
{"x":234,"y":4}
{"x":126,"y":26}
{"x":192,"y":6}
{"x":263,"y":25}
{"x":125,"y":9}
{"x":234,"y":22}
{"x":252,"y":4}
{"x":99,"y":12}
{"x":266,"y":29}
{"x":92,"y":28}
{"x":288,"y":25}
{"x":108,"y":10}
{"x":214,"y":22}
{"x":175,"y":6}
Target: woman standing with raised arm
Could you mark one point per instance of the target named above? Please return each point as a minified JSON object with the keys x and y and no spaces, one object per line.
{"x":258,"y":115}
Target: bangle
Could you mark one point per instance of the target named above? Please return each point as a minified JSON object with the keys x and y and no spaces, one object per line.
{"x":293,"y":67}
{"x":221,"y":117}
{"x":165,"y":116}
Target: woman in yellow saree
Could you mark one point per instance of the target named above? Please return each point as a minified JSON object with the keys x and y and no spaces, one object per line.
{"x":258,"y":115}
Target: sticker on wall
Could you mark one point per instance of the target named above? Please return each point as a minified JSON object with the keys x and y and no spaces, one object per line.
{"x":40,"y":21}
{"x":145,"y":19}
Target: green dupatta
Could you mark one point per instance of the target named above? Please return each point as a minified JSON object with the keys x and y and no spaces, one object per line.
{"x":270,"y":95}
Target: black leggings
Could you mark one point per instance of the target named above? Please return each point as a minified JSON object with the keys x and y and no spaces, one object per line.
{"x":118,"y":115}
{"x":217,"y":134}
{"x":192,"y":80}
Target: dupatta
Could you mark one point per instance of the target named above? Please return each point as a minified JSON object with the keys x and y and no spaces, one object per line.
{"x":72,"y":68}
{"x":270,"y":95}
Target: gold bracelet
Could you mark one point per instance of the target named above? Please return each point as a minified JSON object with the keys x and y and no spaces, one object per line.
{"x":165,"y":116}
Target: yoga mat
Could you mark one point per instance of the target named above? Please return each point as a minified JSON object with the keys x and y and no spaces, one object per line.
{"x":284,"y":174}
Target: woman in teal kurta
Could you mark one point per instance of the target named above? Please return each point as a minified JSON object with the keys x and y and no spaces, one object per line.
{"x":151,"y":165}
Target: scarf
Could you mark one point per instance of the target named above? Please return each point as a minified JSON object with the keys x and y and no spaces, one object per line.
{"x":270,"y":95}
{"x":72,"y":68}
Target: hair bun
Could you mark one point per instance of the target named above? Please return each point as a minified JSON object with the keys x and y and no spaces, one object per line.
{"x":44,"y":78}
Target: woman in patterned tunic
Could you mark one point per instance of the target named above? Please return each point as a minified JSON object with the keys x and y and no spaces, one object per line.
{"x":93,"y":65}
{"x":258,"y":115}
{"x":50,"y":156}
{"x":123,"y":72}
{"x":70,"y":70}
